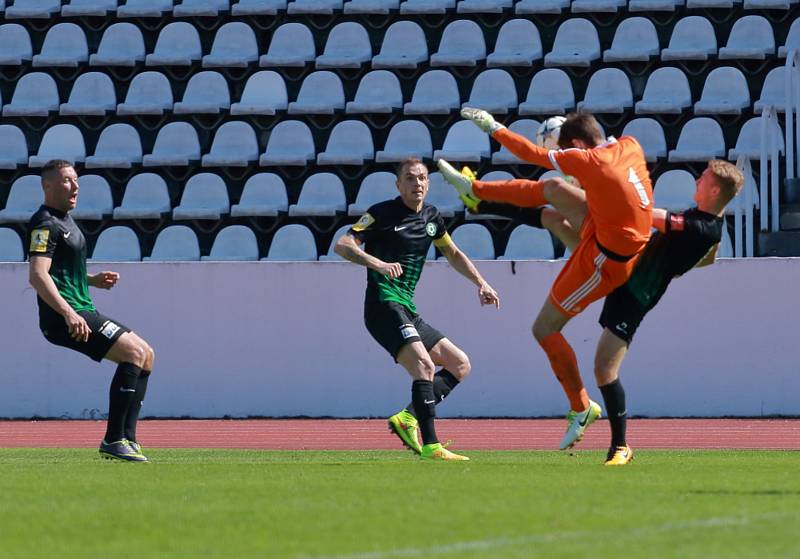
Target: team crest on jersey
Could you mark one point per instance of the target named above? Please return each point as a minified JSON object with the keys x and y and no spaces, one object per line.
{"x":365,"y":221}
{"x":431,"y":229}
{"x":39,"y":239}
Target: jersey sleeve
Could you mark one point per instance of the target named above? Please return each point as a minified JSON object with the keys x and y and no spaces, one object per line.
{"x":365,"y":226}
{"x":569,"y":162}
{"x":523,"y":148}
{"x":42,"y":238}
{"x":690,"y":225}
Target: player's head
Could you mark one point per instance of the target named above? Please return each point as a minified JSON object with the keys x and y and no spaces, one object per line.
{"x":60,"y":184}
{"x":580,"y":130}
{"x":412,"y":181}
{"x":717,"y":186}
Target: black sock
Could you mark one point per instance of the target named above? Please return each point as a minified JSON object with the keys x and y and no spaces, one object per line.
{"x":120,"y":396}
{"x":614,"y":398}
{"x":443,"y":383}
{"x":528,"y":216}
{"x":425,"y":405}
{"x":136,"y":405}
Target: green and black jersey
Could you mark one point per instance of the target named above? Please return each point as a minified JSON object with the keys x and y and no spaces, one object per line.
{"x":393,"y":232}
{"x":55,"y":234}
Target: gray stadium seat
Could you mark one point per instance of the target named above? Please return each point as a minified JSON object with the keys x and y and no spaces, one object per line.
{"x":176,"y":243}
{"x":751,"y":39}
{"x":205,"y":196}
{"x":234,"y":46}
{"x":320,"y":93}
{"x":195,"y":8}
{"x":700,"y":140}
{"x":609,"y":91}
{"x":331,"y":255}
{"x":206,"y":93}
{"x":483,"y":6}
{"x":33,"y":9}
{"x":292,"y":242}
{"x":550,"y":93}
{"x":292,"y":45}
{"x":436,"y":92}
{"x":83,"y":8}
{"x":145,"y":197}
{"x":264,"y":194}
{"x":540,"y":6}
{"x":36,"y":94}
{"x":117,"y":244}
{"x":518,"y":44}
{"x":13,"y":147}
{"x":322,"y":195}
{"x":674,"y":190}
{"x":748,"y":142}
{"x":233,"y":243}
{"x":234,"y":145}
{"x":178,"y":44}
{"x":264,"y":94}
{"x":773,"y":91}
{"x":404,"y":47}
{"x":426,"y":6}
{"x":462,"y":44}
{"x":92,"y":94}
{"x":475,"y":241}
{"x":119,"y":147}
{"x":122,"y":44}
{"x":258,"y":7}
{"x":24,"y":199}
{"x":464,"y":143}
{"x":15,"y":45}
{"x":634,"y":40}
{"x":724,"y":92}
{"x":176,"y":145}
{"x":666,"y":92}
{"x":94,"y":201}
{"x":700,"y":4}
{"x":350,"y":143}
{"x":525,"y":126}
{"x":576,"y":44}
{"x":493,"y":90}
{"x":376,"y":187}
{"x":372,"y":7}
{"x":654,"y":5}
{"x":443,"y":196}
{"x":318,"y":7}
{"x":768,"y":4}
{"x":596,"y":6}
{"x":528,"y":243}
{"x":61,"y":141}
{"x":290,"y":143}
{"x":64,"y":46}
{"x":792,"y":39}
{"x":347,"y":46}
{"x":144,"y":8}
{"x":378,"y":93}
{"x":650,"y":135}
{"x":10,"y":246}
{"x":407,"y":138}
{"x":150,"y":93}
{"x":692,"y":38}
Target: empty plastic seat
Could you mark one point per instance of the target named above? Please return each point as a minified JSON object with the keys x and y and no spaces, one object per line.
{"x":347,"y":46}
{"x":233,"y":243}
{"x":792,"y":39}
{"x":436,"y":92}
{"x":94,"y":202}
{"x":407,"y":138}
{"x":609,"y":91}
{"x":234,"y":145}
{"x":483,"y":6}
{"x":725,"y":92}
{"x":178,"y":44}
{"x":518,"y":44}
{"x":36,"y":94}
{"x":692,"y":38}
{"x":207,"y":93}
{"x":404,"y":47}
{"x":751,"y":38}
{"x":634,"y":40}
{"x":292,"y":45}
{"x":320,"y":7}
{"x":122,"y":44}
{"x":666,"y":92}
{"x":654,"y":5}
{"x":376,"y":187}
{"x":596,"y":6}
{"x":768,"y":4}
{"x":322,"y":195}
{"x":464,"y":143}
{"x":264,"y":194}
{"x":10,"y":246}
{"x":382,"y":7}
{"x":13,"y":147}
{"x":540,"y":6}
{"x":176,"y":243}
{"x":33,"y":9}
{"x":443,"y":196}
{"x":15,"y":45}
{"x":773,"y":91}
{"x":150,"y":93}
{"x":292,"y":242}
{"x":700,"y":140}
{"x":378,"y":93}
{"x":64,"y":45}
{"x":494,"y":91}
{"x":462,"y":44}
{"x":550,"y":93}
{"x":725,"y":249}
{"x":83,"y":8}
{"x":699,"y":4}
{"x":576,"y":44}
{"x":650,"y":135}
{"x":321,"y":93}
{"x":475,"y":241}
{"x":258,"y":7}
{"x":350,"y":143}
{"x":234,"y":46}
{"x":92,"y":94}
{"x":526,"y":127}
{"x":749,"y":141}
{"x":117,"y":244}
{"x":426,"y":6}
{"x":205,"y":196}
{"x":144,"y":8}
{"x":331,"y":255}
{"x":206,"y":8}
{"x":145,"y":197}
{"x":264,"y":94}
{"x":529,"y":243}
{"x":119,"y":147}
{"x":62,"y":141}
{"x":674,"y":190}
{"x":23,"y":201}
{"x":176,"y":145}
{"x":290,"y":143}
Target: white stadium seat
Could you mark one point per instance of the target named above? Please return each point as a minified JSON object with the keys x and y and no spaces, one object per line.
{"x":376,"y":187}
{"x":206,"y":93}
{"x":145,"y":197}
{"x":290,"y":143}
{"x":464,"y":142}
{"x":378,"y":93}
{"x":436,"y":92}
{"x":117,"y":244}
{"x":320,"y":93}
{"x":176,"y":243}
{"x":264,"y":94}
{"x":264,"y":195}
{"x":576,"y":44}
{"x":62,"y":141}
{"x":292,"y":45}
{"x":518,"y":44}
{"x":150,"y":93}
{"x":528,"y":243}
{"x":205,"y":196}
{"x":404,"y":47}
{"x":35,"y":94}
{"x":234,"y":145}
{"x":24,"y":199}
{"x":119,"y":147}
{"x":64,"y":46}
{"x":94,"y":201}
{"x":322,"y":195}
{"x":122,"y":44}
{"x":407,"y":138}
{"x":233,"y":243}
{"x":494,"y":91}
{"x":462,"y":44}
{"x":234,"y":46}
{"x":292,"y":242}
{"x":350,"y":143}
{"x":347,"y":46}
{"x":92,"y":94}
{"x":700,"y":140}
{"x":176,"y":146}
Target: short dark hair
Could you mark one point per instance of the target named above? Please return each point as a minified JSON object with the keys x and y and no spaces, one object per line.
{"x":53,"y":165}
{"x":580,"y":126}
{"x":407,"y":162}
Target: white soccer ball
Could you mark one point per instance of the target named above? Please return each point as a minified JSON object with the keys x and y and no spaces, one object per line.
{"x":547,"y":135}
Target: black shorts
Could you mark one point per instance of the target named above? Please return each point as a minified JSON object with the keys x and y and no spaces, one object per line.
{"x":622,"y":314}
{"x":104,"y":333}
{"x":394,"y":326}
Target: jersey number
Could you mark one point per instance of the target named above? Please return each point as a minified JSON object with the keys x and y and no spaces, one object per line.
{"x":640,"y":190}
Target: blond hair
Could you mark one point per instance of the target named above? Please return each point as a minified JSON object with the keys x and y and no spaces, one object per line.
{"x":728,"y":177}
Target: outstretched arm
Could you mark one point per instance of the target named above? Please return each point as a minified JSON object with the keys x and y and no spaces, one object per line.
{"x":517,"y":144}
{"x":348,"y":248}
{"x":464,"y":266}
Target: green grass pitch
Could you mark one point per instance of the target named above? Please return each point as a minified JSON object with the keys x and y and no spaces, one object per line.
{"x":373,"y":505}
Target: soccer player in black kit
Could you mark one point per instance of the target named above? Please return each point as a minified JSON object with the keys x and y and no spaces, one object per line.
{"x":396,"y":235}
{"x":67,"y":316}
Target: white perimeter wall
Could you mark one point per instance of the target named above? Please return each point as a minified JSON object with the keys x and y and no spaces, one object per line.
{"x":287,"y":339}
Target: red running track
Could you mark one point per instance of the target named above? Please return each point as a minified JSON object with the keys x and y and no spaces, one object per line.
{"x":364,"y":434}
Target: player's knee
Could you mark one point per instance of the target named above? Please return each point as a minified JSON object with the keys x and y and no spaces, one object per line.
{"x":539,"y":331}
{"x":462,"y":368}
{"x":425,"y":369}
{"x":552,"y":186}
{"x":150,"y":357}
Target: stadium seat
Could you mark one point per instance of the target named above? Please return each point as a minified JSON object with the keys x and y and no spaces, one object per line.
{"x":176,"y":243}
{"x":15,"y":45}
{"x":436,"y":92}
{"x":331,"y":255}
{"x":634,"y":40}
{"x":36,"y":94}
{"x":234,"y":46}
{"x":464,"y":142}
{"x":258,"y":7}
{"x":350,"y":143}
{"x":290,"y":143}
{"x":313,"y":7}
{"x":122,"y":44}
{"x":61,"y":141}
{"x":10,"y":246}
{"x":526,"y":127}
{"x":176,"y":145}
{"x":751,"y":39}
{"x":666,"y":92}
{"x":596,"y":6}
{"x":33,"y":9}
{"x":749,"y":141}
{"x":178,"y":44}
{"x":475,"y":241}
{"x":372,"y":7}
{"x":654,"y":5}
{"x":13,"y":147}
{"x":518,"y":44}
{"x":150,"y":93}
{"x":94,"y":202}
{"x":404,"y":47}
{"x":292,"y":242}
{"x":426,"y":6}
{"x":83,"y":8}
{"x":321,"y":93}
{"x":207,"y":93}
{"x":540,"y":6}
{"x":576,"y":44}
{"x":462,"y":44}
{"x":92,"y":94}
{"x":322,"y":195}
{"x":407,"y":138}
{"x":700,"y":4}
{"x":264,"y":94}
{"x":483,"y":6}
{"x":443,"y":196}
{"x":24,"y":199}
{"x":674,"y":190}
{"x":550,"y":93}
{"x":292,"y":45}
{"x":145,"y":197}
{"x":64,"y":46}
{"x":700,"y":140}
{"x":725,"y":249}
{"x":204,"y":8}
{"x":234,"y":145}
{"x":264,"y":194}
{"x":650,"y":135}
{"x":376,"y":187}
{"x":117,"y":244}
{"x":347,"y":46}
{"x":693,"y":38}
{"x":528,"y":243}
{"x":205,"y":196}
{"x":493,"y":90}
{"x":378,"y":93}
{"x":609,"y":91}
{"x":767,"y":4}
{"x":119,"y":147}
{"x":773,"y":91}
{"x":144,"y":8}
{"x":725,"y":92}
{"x":233,"y":243}
{"x":792,"y":39}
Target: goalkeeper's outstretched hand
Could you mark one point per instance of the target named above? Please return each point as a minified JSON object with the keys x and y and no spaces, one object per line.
{"x":482,"y":119}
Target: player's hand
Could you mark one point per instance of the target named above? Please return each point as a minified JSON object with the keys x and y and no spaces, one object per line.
{"x":481,"y":119}
{"x":391,"y":269}
{"x":488,"y":296}
{"x":78,"y":329}
{"x":105,"y":280}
